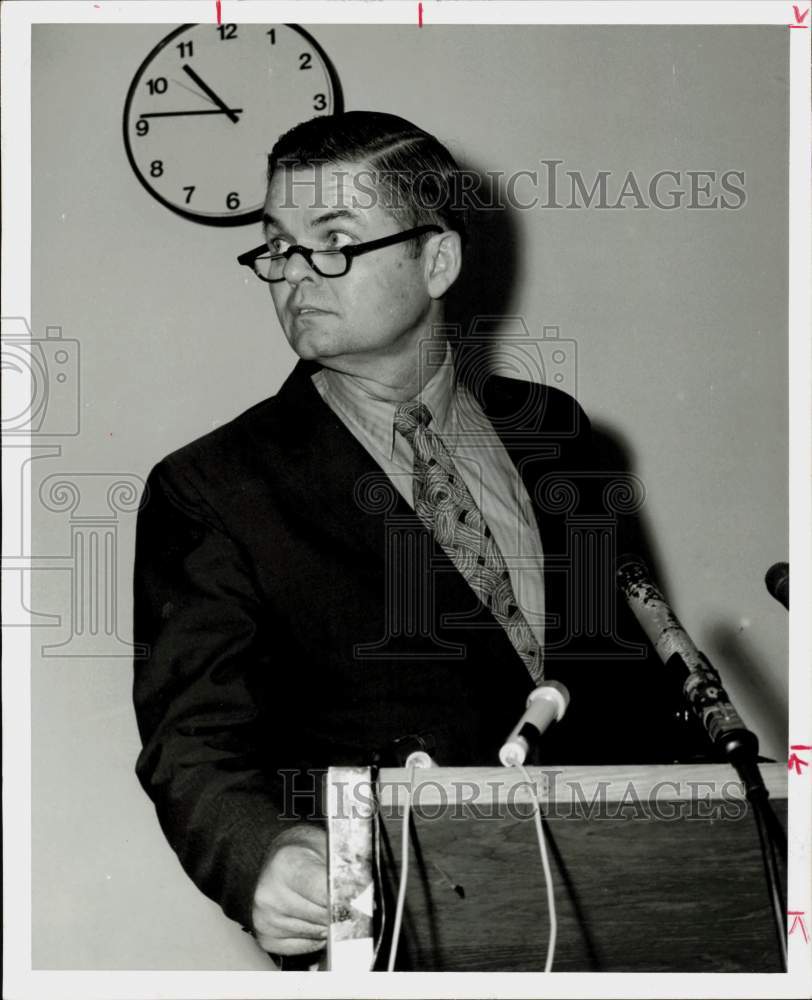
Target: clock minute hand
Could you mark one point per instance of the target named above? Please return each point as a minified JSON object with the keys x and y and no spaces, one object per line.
{"x":207,"y":89}
{"x":180,"y":114}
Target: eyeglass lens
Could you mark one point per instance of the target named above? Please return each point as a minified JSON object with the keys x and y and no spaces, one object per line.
{"x":272,"y":268}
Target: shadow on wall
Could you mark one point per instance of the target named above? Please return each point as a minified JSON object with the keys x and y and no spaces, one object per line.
{"x":732,"y":643}
{"x":485,"y":285}
{"x":616,"y":455}
{"x":486,"y":288}
{"x":728,"y":641}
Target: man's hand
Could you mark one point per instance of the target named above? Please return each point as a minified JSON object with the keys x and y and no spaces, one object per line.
{"x":290,"y":901}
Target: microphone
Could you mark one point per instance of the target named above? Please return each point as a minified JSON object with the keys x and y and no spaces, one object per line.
{"x":545,"y":704}
{"x":703,"y":686}
{"x":710,"y":703}
{"x":777,"y":581}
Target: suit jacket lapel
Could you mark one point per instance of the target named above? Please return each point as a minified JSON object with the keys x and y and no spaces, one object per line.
{"x":330,"y":477}
{"x":328,"y":474}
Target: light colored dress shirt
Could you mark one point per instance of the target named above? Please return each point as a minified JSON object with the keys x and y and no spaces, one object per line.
{"x":478,"y":454}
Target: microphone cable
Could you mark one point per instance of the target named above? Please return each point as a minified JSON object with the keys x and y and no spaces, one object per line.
{"x":422,"y":760}
{"x":378,"y":879}
{"x":548,"y":876}
{"x":545,"y":705}
{"x":404,"y":874}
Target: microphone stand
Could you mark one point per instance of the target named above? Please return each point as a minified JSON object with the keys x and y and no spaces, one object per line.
{"x":770,"y":833}
{"x":727,"y":731}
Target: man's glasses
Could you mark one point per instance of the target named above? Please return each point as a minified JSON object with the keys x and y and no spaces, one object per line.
{"x":270,"y":267}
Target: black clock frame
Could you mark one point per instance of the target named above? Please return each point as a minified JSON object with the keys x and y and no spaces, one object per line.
{"x":246,"y":218}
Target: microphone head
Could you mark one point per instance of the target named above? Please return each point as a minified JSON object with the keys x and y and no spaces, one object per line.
{"x":777,"y":581}
{"x":546,"y":704}
{"x":552,"y":691}
{"x":630,"y":573}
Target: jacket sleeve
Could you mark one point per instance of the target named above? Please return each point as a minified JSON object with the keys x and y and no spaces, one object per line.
{"x":202,"y":725}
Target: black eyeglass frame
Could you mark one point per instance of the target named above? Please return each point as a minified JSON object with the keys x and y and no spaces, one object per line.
{"x":349,"y":252}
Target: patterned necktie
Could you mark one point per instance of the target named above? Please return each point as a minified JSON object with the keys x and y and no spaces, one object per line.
{"x":444,"y":504}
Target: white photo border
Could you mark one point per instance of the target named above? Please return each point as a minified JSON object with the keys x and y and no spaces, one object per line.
{"x":20,"y":981}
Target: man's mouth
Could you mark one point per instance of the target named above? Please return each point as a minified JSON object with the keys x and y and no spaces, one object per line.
{"x":308,"y":311}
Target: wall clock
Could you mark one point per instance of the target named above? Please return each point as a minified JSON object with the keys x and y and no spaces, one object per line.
{"x":207,"y":104}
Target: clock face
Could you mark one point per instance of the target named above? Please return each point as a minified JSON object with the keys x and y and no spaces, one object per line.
{"x":207,"y":105}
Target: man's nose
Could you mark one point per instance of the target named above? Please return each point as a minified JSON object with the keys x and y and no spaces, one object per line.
{"x":297,"y":268}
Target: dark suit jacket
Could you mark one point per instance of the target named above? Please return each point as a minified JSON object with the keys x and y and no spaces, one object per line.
{"x":298,"y":615}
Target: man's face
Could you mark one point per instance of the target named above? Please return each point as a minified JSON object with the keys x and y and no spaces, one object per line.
{"x":376,"y":312}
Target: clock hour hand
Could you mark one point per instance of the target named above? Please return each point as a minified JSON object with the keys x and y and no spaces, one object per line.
{"x":207,"y":89}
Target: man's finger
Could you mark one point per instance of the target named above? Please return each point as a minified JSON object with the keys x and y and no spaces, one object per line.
{"x":287,"y":896}
{"x":308,"y":879}
{"x":287,"y":946}
{"x":305,"y":909}
{"x":287,"y":904}
{"x":313,"y":885}
{"x":271,"y":919}
{"x":292,"y":938}
{"x":290,"y":927}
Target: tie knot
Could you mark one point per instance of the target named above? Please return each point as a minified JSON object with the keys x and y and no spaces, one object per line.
{"x":408,"y":416}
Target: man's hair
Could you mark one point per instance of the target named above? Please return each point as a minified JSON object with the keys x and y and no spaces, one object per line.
{"x":415,"y":176}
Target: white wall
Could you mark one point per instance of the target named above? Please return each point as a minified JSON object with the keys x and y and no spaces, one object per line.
{"x":679,"y":318}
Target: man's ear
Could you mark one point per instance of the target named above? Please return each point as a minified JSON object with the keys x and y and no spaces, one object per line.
{"x":442,"y":254}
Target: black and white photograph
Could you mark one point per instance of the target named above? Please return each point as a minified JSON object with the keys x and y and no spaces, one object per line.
{"x":405,"y":444}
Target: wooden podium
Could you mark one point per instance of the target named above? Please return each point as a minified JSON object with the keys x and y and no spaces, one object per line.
{"x":655,"y":868}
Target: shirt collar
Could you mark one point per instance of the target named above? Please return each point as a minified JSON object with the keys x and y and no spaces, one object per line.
{"x":376,"y":416}
{"x":438,"y":394}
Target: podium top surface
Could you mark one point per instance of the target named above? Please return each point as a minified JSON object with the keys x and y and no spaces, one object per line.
{"x":613,"y":783}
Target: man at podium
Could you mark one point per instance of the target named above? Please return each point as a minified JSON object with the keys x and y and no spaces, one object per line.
{"x":387,"y":555}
